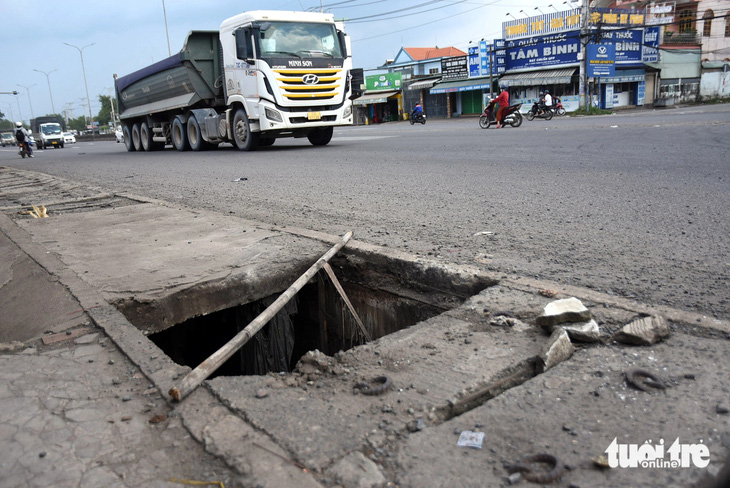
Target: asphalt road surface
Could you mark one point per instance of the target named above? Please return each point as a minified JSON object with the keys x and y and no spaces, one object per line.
{"x":635,"y":204}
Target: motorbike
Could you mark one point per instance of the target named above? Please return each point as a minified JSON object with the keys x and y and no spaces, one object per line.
{"x":23,"y":149}
{"x":559,"y":109}
{"x":418,"y":118}
{"x":534,"y":112}
{"x":512,"y":116}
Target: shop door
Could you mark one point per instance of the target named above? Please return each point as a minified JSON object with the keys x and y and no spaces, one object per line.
{"x":471,"y":102}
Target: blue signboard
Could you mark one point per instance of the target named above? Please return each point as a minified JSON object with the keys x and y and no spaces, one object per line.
{"x":540,"y":52}
{"x":500,"y":57}
{"x":601,"y":60}
{"x":629,"y":45}
{"x":650,"y":46}
{"x":473,"y":61}
{"x":484,"y":50}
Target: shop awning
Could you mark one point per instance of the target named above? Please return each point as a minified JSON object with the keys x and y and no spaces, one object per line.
{"x":534,"y":78}
{"x":375,"y":97}
{"x":423,"y":84}
{"x":481,"y":83}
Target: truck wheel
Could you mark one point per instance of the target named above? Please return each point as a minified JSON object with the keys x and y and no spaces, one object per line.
{"x":243,"y":137}
{"x":127,"y":136}
{"x":195,"y":138}
{"x":62,"y":144}
{"x":136,"y":139}
{"x":179,"y":135}
{"x":266,"y":141}
{"x":320,"y":137}
{"x":145,"y":137}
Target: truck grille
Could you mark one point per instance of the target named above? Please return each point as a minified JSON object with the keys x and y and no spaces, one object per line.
{"x":308,"y":84}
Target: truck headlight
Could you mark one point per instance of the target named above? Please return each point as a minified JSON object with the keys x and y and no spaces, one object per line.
{"x":273,"y":115}
{"x":348,"y":111}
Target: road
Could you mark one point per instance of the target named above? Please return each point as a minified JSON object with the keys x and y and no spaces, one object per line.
{"x":634,"y":204}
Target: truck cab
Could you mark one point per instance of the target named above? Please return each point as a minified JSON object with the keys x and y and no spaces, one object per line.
{"x":291,"y":73}
{"x":50,"y":135}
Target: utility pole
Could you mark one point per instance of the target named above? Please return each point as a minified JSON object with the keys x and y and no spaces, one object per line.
{"x":583,"y":84}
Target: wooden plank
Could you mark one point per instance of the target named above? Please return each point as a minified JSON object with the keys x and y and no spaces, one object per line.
{"x":216,"y":360}
{"x":341,"y":291}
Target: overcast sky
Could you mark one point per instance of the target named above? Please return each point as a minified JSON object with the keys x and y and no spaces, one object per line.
{"x":126,"y":35}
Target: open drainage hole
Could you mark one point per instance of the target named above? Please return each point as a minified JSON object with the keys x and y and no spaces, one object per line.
{"x":316,"y":318}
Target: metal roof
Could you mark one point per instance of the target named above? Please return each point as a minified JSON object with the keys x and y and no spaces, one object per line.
{"x":544,"y":77}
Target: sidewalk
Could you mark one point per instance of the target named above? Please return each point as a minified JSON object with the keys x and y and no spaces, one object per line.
{"x":90,"y":408}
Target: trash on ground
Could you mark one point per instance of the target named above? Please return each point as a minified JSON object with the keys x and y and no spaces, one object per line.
{"x":467,"y":438}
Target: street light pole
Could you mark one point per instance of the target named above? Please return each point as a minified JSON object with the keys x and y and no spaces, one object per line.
{"x":27,"y":89}
{"x":164,"y":12}
{"x":83,"y":69}
{"x":48,"y":78}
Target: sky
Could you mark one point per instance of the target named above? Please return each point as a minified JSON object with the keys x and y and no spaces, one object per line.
{"x":123,"y":36}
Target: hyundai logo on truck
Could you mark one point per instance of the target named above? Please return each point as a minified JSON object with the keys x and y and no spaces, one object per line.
{"x":310,"y":79}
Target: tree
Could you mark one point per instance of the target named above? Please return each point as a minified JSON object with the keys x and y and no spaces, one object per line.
{"x":78,"y":124}
{"x":105,"y":112}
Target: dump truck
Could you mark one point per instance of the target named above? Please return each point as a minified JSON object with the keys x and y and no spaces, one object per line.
{"x":48,"y":131}
{"x":264,"y":75}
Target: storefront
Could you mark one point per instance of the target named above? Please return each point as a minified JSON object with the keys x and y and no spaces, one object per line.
{"x":562,"y":83}
{"x":378,"y":107}
{"x":626,"y":89}
{"x":464,"y":96}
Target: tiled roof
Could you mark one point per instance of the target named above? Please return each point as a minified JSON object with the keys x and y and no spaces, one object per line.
{"x":423,"y":53}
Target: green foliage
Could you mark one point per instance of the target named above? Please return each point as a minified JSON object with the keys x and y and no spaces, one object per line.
{"x":79,"y":124}
{"x":105,"y":112}
{"x":592,"y":111}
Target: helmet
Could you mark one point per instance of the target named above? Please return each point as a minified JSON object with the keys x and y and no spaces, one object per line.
{"x":505,"y":87}
{"x":542,"y":93}
{"x":547,"y":92}
{"x":18,"y":124}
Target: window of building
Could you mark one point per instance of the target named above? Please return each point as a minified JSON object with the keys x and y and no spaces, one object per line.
{"x":727,"y":26}
{"x":707,"y":23}
{"x":433,"y":71}
{"x":686,"y":20}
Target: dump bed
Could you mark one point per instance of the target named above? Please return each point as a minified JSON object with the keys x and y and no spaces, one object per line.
{"x":192,"y":77}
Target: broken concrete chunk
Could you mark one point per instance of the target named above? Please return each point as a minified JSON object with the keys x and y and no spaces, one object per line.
{"x":643,"y":331}
{"x":565,"y":310}
{"x":557,"y":349}
{"x":357,"y":471}
{"x":582,"y":331}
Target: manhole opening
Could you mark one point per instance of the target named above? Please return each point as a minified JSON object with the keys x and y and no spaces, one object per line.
{"x":316,"y":318}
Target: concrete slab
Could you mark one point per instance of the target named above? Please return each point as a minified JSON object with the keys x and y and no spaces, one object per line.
{"x":438,"y":368}
{"x":575,"y":411}
{"x":161,"y":265}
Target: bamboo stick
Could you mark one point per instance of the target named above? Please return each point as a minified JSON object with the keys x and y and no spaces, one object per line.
{"x":216,"y":360}
{"x":345,"y":299}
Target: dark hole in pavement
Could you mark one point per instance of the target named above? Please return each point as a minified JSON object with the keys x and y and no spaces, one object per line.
{"x":317,"y":317}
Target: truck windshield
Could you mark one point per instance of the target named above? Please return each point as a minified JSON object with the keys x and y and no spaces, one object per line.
{"x":299,"y":40}
{"x":49,"y":129}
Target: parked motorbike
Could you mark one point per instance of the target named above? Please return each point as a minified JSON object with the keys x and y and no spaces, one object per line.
{"x":534,"y":112}
{"x":559,"y":109}
{"x":512,"y":116}
{"x":418,"y":118}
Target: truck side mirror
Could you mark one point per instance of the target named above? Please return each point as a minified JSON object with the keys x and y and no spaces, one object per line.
{"x":344,"y":44}
{"x":244,"y":50}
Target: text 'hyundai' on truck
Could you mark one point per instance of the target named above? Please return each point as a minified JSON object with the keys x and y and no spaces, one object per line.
{"x":263,"y":75}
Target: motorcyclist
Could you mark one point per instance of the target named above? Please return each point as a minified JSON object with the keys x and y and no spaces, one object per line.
{"x":417,"y":111}
{"x":503,"y":101}
{"x":23,"y":137}
{"x":548,"y":99}
{"x":540,"y":103}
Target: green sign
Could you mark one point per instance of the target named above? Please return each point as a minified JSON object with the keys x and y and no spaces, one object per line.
{"x":385,"y":81}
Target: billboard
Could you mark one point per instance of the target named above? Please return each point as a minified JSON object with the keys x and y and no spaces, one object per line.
{"x":544,"y":51}
{"x":601,"y":60}
{"x":384,"y":81}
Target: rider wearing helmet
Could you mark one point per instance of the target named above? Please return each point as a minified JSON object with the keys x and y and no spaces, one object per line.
{"x":23,"y":137}
{"x":548,"y":99}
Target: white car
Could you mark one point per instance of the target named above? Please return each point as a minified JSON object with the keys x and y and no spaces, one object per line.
{"x":69,"y":138}
{"x":119,"y":135}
